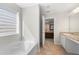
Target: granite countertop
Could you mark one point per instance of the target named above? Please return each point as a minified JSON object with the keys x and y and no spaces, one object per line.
{"x":72,"y":35}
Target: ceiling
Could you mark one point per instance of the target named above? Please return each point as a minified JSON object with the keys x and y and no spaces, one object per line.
{"x":57,"y":8}
{"x":52,"y":8}
{"x":24,"y":5}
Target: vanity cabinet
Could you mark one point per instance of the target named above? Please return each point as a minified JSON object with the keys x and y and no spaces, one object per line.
{"x":49,"y":35}
{"x":63,"y":39}
{"x":69,"y":44}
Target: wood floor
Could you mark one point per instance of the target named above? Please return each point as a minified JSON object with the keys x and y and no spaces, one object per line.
{"x":51,"y":49}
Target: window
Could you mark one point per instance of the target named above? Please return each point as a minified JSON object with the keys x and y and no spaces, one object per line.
{"x":8,"y":23}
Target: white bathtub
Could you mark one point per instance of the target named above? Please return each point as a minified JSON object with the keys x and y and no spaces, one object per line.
{"x":16,"y":47}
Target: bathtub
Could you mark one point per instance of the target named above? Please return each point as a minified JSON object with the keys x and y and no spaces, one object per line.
{"x":14,"y":46}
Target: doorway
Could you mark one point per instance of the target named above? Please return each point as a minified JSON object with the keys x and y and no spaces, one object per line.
{"x":47,"y":30}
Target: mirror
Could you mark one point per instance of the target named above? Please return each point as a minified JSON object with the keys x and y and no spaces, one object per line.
{"x":74,"y":23}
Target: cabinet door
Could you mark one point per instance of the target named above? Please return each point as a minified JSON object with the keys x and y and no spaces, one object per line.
{"x":63,"y":41}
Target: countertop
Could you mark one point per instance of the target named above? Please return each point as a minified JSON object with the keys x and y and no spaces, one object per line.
{"x":71,"y":35}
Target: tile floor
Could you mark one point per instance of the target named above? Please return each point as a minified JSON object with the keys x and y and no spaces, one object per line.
{"x":51,"y":49}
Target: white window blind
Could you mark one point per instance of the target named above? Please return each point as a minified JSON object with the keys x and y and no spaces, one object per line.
{"x":7,"y":22}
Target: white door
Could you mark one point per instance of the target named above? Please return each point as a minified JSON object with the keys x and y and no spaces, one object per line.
{"x":43,"y":30}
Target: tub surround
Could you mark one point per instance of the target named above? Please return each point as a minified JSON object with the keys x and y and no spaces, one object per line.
{"x":70,"y":42}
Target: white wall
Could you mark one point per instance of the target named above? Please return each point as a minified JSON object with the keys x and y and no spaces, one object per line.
{"x":61,"y":24}
{"x":30,"y":18}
